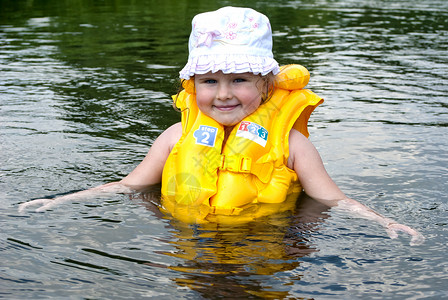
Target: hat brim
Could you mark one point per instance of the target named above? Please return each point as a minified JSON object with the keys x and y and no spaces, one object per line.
{"x":228,"y":63}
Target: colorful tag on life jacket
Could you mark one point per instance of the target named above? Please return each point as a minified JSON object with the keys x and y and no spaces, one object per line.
{"x":206,"y":135}
{"x":253,"y":132}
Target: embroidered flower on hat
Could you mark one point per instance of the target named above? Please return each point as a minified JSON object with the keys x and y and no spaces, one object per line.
{"x":232,"y":25}
{"x":231,"y":35}
{"x":206,"y":38}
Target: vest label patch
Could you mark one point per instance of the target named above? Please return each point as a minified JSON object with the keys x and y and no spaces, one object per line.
{"x":206,"y":135}
{"x":253,"y":132}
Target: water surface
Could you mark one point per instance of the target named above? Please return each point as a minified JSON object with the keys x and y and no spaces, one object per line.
{"x":85,"y":89}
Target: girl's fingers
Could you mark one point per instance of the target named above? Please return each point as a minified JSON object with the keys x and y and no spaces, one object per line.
{"x":25,"y":205}
{"x":416,"y":237}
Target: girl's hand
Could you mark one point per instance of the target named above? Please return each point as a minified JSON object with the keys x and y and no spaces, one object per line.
{"x":45,"y":204}
{"x":393,"y":228}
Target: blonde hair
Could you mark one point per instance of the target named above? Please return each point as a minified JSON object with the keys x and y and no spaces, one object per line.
{"x":269,"y":80}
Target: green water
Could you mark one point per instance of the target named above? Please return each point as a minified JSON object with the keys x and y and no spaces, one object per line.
{"x":85,"y":89}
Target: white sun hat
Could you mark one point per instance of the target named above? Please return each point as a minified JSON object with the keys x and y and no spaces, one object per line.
{"x":231,"y":40}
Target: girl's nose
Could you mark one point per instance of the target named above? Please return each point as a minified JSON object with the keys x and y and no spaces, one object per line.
{"x":224,"y":91}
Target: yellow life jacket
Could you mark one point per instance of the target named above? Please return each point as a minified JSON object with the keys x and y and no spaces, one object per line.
{"x":206,"y":181}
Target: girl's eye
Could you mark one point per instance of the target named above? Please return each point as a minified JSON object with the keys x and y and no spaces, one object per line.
{"x":239,"y":80}
{"x":210,"y":81}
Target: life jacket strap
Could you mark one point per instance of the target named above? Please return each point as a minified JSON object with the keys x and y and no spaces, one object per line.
{"x":244,"y":164}
{"x":236,"y":163}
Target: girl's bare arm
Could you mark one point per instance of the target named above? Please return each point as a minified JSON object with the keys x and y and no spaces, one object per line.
{"x":317,"y":184}
{"x":147,"y":173}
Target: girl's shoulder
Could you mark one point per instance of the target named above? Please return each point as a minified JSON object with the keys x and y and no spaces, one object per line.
{"x":171,"y":135}
{"x":300,"y":148}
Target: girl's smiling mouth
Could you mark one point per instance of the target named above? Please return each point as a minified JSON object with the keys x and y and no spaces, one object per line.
{"x":226,"y":107}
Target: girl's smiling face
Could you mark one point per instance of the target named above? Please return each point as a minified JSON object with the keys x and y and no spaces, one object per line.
{"x":228,"y":98}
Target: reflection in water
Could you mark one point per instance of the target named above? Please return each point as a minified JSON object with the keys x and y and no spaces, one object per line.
{"x":227,"y":261}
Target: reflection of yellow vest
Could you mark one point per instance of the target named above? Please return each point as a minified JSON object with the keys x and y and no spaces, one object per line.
{"x":204,"y":180}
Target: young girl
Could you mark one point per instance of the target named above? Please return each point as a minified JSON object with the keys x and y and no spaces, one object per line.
{"x":242,"y":145}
